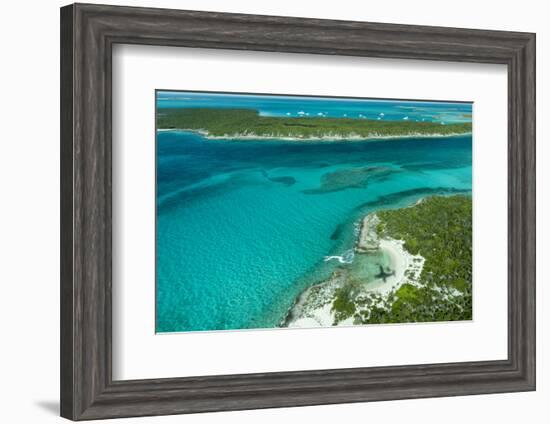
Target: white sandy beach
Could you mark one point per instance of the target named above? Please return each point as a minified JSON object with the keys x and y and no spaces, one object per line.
{"x":328,"y":137}
{"x":314,"y":307}
{"x":401,"y":261}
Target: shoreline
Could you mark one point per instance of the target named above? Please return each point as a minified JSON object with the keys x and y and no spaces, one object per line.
{"x":388,"y":284}
{"x":328,"y":138}
{"x":314,"y":306}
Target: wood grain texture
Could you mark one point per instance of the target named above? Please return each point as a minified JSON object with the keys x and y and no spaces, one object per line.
{"x":66,"y":211}
{"x":88,"y":33}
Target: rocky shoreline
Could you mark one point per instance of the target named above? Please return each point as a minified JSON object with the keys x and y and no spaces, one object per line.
{"x":315,"y":306}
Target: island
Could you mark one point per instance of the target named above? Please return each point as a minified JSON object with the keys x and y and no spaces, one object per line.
{"x":250,"y":124}
{"x":427,"y":276}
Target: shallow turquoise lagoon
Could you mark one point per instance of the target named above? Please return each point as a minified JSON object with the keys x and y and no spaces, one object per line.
{"x":244,"y":226}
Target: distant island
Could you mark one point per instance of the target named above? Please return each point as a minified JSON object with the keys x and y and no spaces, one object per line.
{"x":249,"y":124}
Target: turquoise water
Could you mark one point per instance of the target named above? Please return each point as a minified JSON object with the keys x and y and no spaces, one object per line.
{"x":243,"y":226}
{"x":294,"y":106}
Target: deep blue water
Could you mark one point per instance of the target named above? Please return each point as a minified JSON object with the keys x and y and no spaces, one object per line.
{"x":243,"y":226}
{"x":444,"y":112}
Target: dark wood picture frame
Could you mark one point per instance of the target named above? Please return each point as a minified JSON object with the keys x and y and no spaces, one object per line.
{"x":88,"y":33}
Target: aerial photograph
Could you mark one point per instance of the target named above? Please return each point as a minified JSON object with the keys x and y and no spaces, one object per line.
{"x":289,"y":211}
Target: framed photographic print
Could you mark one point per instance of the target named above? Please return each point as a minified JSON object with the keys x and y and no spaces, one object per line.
{"x":277,"y":211}
{"x":264,"y":211}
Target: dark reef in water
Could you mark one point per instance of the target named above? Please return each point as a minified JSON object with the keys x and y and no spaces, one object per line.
{"x":343,"y":179}
{"x":337,"y":232}
{"x":285,"y":180}
{"x":288,"y":181}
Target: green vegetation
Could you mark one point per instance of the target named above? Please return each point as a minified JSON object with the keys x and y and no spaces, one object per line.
{"x":247,"y":122}
{"x":439,"y":229}
{"x":343,"y":305}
